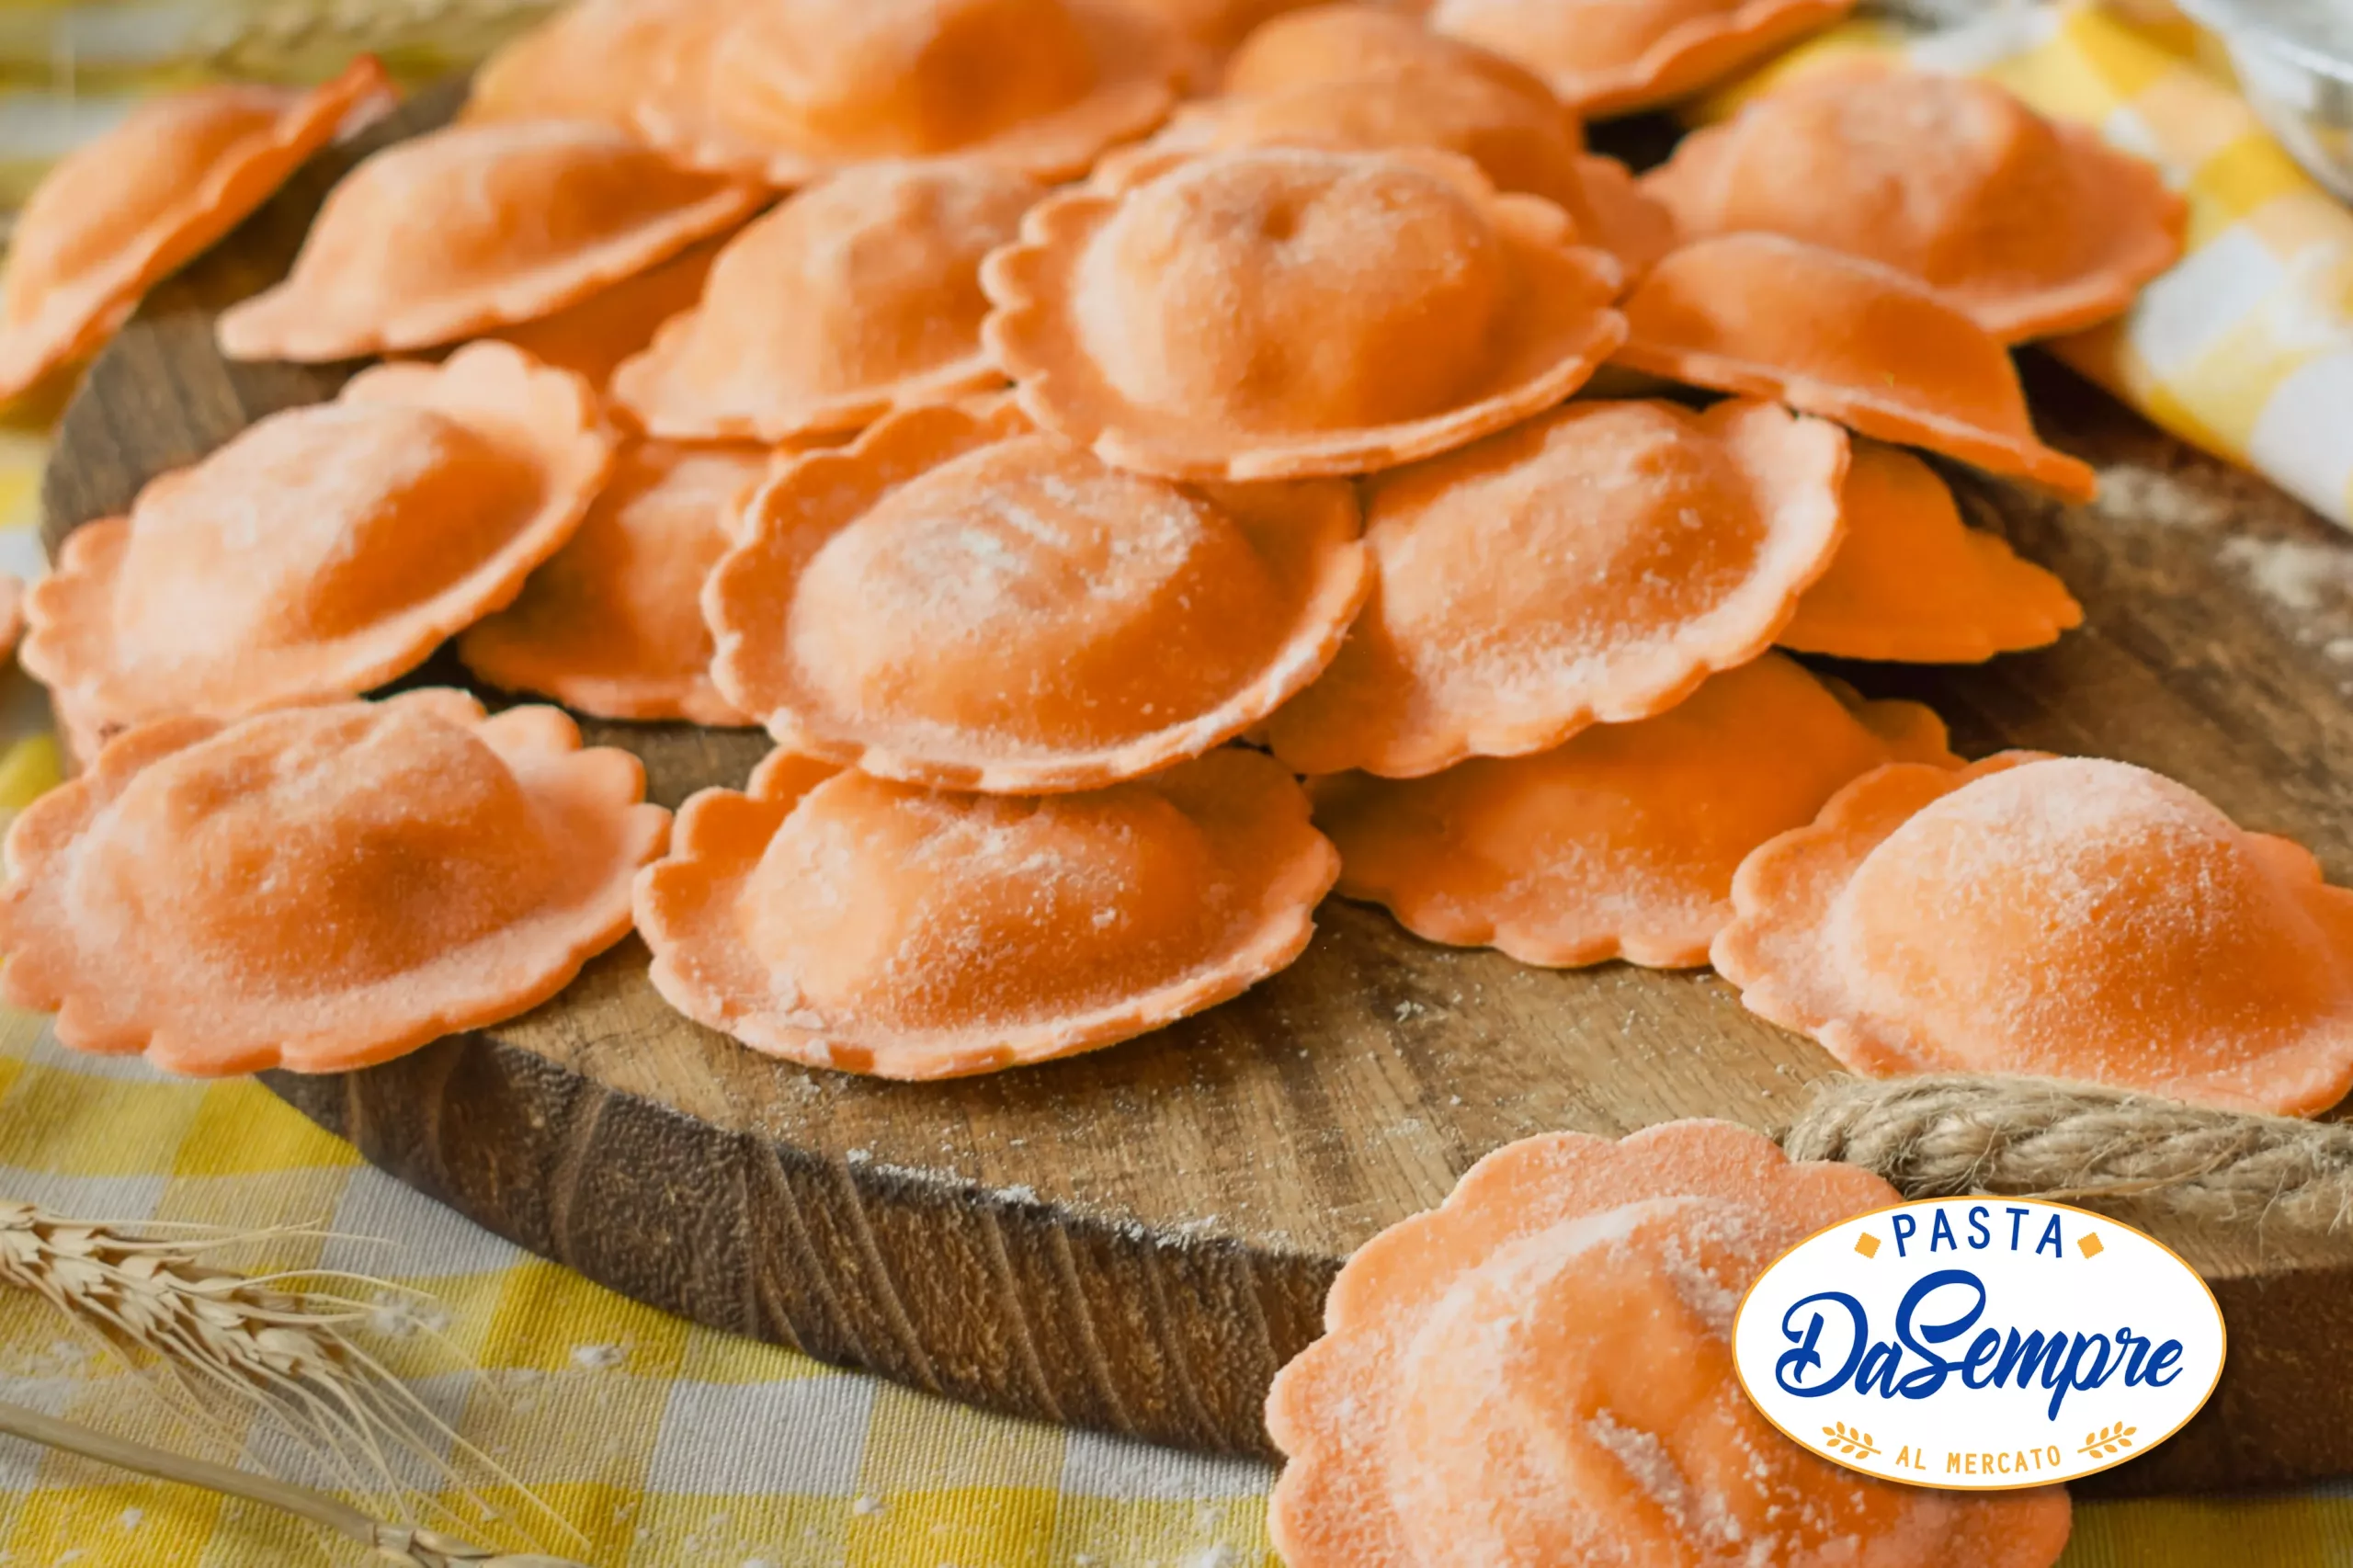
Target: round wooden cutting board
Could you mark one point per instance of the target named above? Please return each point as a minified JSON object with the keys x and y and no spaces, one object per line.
{"x":1134,"y":1240}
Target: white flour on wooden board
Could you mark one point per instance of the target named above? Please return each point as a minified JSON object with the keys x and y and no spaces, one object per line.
{"x":2292,"y":573}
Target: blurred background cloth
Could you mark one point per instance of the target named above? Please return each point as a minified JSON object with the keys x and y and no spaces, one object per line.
{"x":673,"y":1447}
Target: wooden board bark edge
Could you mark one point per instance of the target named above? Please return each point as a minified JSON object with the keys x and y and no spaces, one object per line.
{"x":1032,"y":1310}
{"x":1011,"y":1304}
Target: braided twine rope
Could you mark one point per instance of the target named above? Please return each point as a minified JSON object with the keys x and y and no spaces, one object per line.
{"x":2142,"y":1159}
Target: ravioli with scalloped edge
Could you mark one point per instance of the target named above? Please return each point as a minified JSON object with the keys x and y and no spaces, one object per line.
{"x":1361,"y":42}
{"x":591,"y":60}
{"x":955,"y":601}
{"x":1613,"y":57}
{"x":1613,"y":211}
{"x":320,"y":888}
{"x":1621,"y":841}
{"x":1540,"y":1372}
{"x":79,"y":736}
{"x":474,"y":227}
{"x":2069,"y":917}
{"x":856,"y":297}
{"x":1214,"y":27}
{"x":120,"y":212}
{"x":2031,"y":226}
{"x":1288,"y":312}
{"x":1520,"y":142}
{"x":840,"y":920}
{"x":789,"y":91}
{"x":1911,"y":584}
{"x":1763,"y":316}
{"x":612,"y":623}
{"x":1592,"y":565}
{"x":324,"y":550}
{"x":594,"y":337}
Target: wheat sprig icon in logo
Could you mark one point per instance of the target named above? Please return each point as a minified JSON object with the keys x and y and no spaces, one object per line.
{"x":1849,"y":1440}
{"x":2108,"y":1442}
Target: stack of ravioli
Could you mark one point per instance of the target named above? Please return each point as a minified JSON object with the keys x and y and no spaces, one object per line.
{"x":1147,"y":464}
{"x":1144,"y":465}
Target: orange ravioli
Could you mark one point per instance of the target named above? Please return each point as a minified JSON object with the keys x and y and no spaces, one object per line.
{"x":1621,"y":841}
{"x":1913,"y":583}
{"x":1878,"y":350}
{"x":956,"y":602}
{"x":1612,"y":57}
{"x":612,"y":624}
{"x":1215,"y":27}
{"x":79,"y":735}
{"x":846,"y":921}
{"x":1288,"y":313}
{"x":459,"y":231}
{"x":592,"y":338}
{"x":331,"y":548}
{"x":2065,"y":916}
{"x":1520,"y":142}
{"x":1539,"y":1373}
{"x":321,"y":888}
{"x":1613,"y":211}
{"x":2030,"y":226}
{"x":1358,"y":43}
{"x":1593,"y":564}
{"x":788,"y":91}
{"x":856,"y":297}
{"x":591,"y":60}
{"x":127,"y":209}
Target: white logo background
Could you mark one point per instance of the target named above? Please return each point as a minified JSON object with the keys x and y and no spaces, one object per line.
{"x":2091,"y":1315}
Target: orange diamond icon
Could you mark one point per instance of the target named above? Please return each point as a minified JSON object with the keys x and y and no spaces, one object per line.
{"x":1868,"y":1244}
{"x":2089,"y":1245}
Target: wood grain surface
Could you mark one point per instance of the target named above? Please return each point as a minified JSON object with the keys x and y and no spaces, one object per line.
{"x":1134,"y":1240}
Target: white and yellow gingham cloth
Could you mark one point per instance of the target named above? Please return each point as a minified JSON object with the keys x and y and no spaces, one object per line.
{"x":673,"y":1447}
{"x":666,"y":1445}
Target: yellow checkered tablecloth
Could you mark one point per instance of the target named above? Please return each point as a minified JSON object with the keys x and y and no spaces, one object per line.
{"x":671,"y":1447}
{"x":666,"y":1445}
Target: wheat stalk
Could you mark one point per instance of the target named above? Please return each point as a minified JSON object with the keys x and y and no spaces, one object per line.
{"x":399,"y":1545}
{"x":276,"y":1343}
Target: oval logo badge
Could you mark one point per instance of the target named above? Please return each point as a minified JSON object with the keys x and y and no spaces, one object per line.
{"x":1978,"y":1343}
